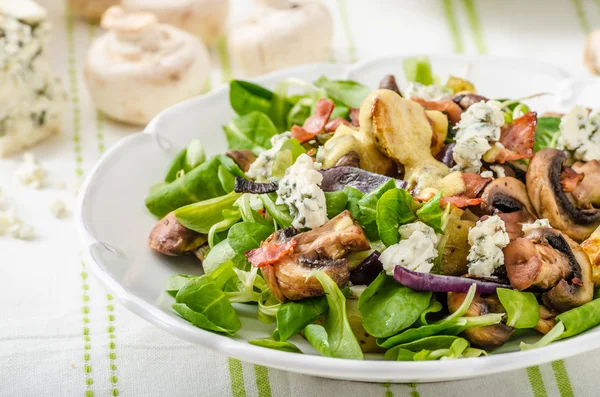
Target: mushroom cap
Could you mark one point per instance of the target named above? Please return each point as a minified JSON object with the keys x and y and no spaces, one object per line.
{"x":275,"y":38}
{"x":551,"y":202}
{"x":204,"y":18}
{"x":171,"y":238}
{"x":141,"y":67}
{"x":487,"y":337}
{"x":507,"y":197}
{"x":549,"y":260}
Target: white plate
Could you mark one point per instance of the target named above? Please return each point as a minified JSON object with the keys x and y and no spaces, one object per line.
{"x":114,"y":224}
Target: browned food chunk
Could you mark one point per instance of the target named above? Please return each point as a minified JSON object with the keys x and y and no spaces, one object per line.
{"x":170,"y":237}
{"x":243,"y":158}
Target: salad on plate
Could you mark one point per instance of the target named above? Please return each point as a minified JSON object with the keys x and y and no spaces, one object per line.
{"x":422,"y":223}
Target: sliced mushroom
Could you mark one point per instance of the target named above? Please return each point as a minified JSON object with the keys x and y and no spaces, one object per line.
{"x":551,"y":202}
{"x":243,"y":158}
{"x":389,"y":83}
{"x":490,"y":336}
{"x":587,"y":192}
{"x":322,"y":248}
{"x":507,"y":198}
{"x":591,"y":246}
{"x":466,"y":100}
{"x":547,"y":320}
{"x":350,"y":159}
{"x":170,"y":237}
{"x":547,"y":260}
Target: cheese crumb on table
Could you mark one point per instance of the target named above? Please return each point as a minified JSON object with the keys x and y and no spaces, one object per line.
{"x":10,"y":223}
{"x":58,"y":209}
{"x":30,"y":173}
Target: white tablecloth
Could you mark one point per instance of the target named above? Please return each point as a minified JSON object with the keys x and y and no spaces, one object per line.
{"x":62,"y":335}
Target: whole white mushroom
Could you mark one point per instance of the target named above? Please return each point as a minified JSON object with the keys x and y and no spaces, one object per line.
{"x":141,"y":67}
{"x":204,"y":18}
{"x":91,"y":10}
{"x":280,"y":34}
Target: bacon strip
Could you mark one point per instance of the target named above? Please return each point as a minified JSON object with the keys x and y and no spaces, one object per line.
{"x":354,"y":116}
{"x":447,"y":106}
{"x":461,"y":201}
{"x":270,"y":253}
{"x":335,"y":123}
{"x":316,"y":123}
{"x":474,"y":184}
{"x":518,"y":139}
{"x":569,"y":179}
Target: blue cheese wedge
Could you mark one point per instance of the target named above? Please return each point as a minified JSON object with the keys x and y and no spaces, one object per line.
{"x":580,"y":134}
{"x":416,"y":251}
{"x":32,"y":100}
{"x":487,"y":238}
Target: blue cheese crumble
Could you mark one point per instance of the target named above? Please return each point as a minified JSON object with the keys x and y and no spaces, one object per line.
{"x":416,"y":251}
{"x":579,"y":134}
{"x":261,"y":168}
{"x":479,"y":125}
{"x":431,"y":92}
{"x":300,"y":190}
{"x":539,"y":223}
{"x":487,"y":238}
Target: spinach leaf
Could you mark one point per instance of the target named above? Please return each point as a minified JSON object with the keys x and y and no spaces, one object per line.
{"x":197,"y":185}
{"x":280,"y":213}
{"x":348,"y":93}
{"x":434,"y":307}
{"x":292,"y":316}
{"x":201,"y":302}
{"x":221,"y":253}
{"x":546,"y":133}
{"x":418,"y":70}
{"x":431,"y":213}
{"x":335,"y":202}
{"x":176,"y":165}
{"x":299,"y":112}
{"x":246,"y":97}
{"x":429,"y":343}
{"x":227,"y":180}
{"x":580,"y":319}
{"x":286,"y":157}
{"x":230,"y":217}
{"x":340,"y":111}
{"x":522,"y":308}
{"x":268,"y":306}
{"x":387,"y":307}
{"x":194,"y":155}
{"x":277,"y":345}
{"x":201,"y":216}
{"x":248,"y":213}
{"x":354,"y":196}
{"x":335,"y":338}
{"x":251,"y":131}
{"x":248,"y":286}
{"x":225,"y":277}
{"x":245,"y":236}
{"x":176,"y":282}
{"x":394,"y":209}
{"x":231,"y":166}
{"x":399,"y":354}
{"x":367,"y":209}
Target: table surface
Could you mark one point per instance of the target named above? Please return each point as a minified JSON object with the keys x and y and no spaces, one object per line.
{"x":61,"y":334}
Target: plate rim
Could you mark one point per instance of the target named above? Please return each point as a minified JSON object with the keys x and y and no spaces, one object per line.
{"x":368,"y":370}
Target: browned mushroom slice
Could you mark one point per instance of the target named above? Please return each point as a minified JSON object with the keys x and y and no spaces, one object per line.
{"x":507,"y":198}
{"x":350,"y":159}
{"x":243,"y":158}
{"x":323,"y":249}
{"x":389,"y":83}
{"x":466,"y":100}
{"x":490,"y":336}
{"x":591,"y":246}
{"x":550,"y":261}
{"x":552,"y":202}
{"x":547,"y":320}
{"x":170,"y":237}
{"x":587,"y":192}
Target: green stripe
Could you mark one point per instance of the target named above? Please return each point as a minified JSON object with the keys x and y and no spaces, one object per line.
{"x":581,"y":16}
{"x":224,"y":58}
{"x":87,"y":336}
{"x":598,"y":3}
{"x":453,"y":26}
{"x":475,"y":26}
{"x":262,"y":381}
{"x":99,"y":117}
{"x":112,"y":346}
{"x":347,"y":31}
{"x":562,"y":379}
{"x":413,"y":390}
{"x":237,"y":378}
{"x":388,"y":390}
{"x":537,"y":383}
{"x":74,"y":88}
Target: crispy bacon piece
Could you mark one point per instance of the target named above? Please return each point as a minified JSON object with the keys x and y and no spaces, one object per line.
{"x":270,"y":253}
{"x":354,"y":116}
{"x":335,"y":123}
{"x":569,"y":179}
{"x":447,"y":106}
{"x":461,"y":201}
{"x":474,"y":184}
{"x":517,"y":139}
{"x":316,"y":123}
